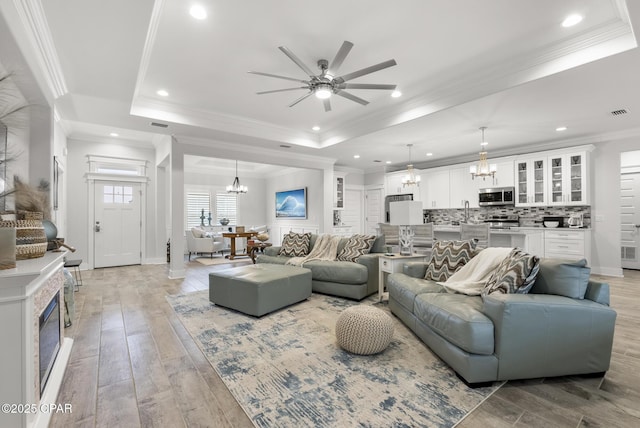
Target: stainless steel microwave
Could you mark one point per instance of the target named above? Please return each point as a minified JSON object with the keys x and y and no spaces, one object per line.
{"x":496,"y":196}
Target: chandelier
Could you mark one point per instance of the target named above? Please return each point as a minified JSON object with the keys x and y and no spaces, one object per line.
{"x":236,"y":187}
{"x":411,"y":179}
{"x":483,"y":169}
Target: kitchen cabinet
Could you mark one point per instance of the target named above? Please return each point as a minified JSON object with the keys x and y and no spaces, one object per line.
{"x":435,"y":189}
{"x":338,"y":191}
{"x":462,"y":188}
{"x":567,"y":244}
{"x":568,"y":179}
{"x":393,"y":185}
{"x":504,"y":176}
{"x":531,"y":181}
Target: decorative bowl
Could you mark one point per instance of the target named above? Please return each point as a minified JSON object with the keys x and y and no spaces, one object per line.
{"x":262,"y":237}
{"x":551,"y":224}
{"x":224,"y":221}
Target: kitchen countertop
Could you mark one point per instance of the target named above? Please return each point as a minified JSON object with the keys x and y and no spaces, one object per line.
{"x":512,"y":230}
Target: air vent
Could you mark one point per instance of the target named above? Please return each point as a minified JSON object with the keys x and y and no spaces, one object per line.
{"x":619,"y":112}
{"x":376,"y":160}
{"x":159,"y":125}
{"x":285,"y":146}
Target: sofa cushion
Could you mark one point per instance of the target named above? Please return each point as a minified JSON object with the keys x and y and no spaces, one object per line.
{"x":356,"y":246}
{"x":458,"y":319}
{"x":514,"y":275}
{"x":447,"y":257}
{"x":337,"y":271}
{"x":562,"y":277}
{"x":404,"y":288}
{"x":295,"y":244}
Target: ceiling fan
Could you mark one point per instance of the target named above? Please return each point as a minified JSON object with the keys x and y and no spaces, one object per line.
{"x":327,"y":83}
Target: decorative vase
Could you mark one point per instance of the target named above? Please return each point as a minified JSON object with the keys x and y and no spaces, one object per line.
{"x":224,"y":221}
{"x":262,"y":236}
{"x":31,"y":238}
{"x":7,"y":246}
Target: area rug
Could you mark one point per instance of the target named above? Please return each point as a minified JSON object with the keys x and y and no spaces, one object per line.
{"x":209,"y":261}
{"x":286,"y":370}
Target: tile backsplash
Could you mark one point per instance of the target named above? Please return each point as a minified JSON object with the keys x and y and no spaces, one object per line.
{"x":528,"y":216}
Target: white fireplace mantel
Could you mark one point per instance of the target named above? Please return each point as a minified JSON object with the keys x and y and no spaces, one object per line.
{"x":24,"y":292}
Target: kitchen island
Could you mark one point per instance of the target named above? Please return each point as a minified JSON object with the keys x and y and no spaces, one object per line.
{"x":530,"y":239}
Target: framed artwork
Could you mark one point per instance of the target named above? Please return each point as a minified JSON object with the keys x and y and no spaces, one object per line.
{"x":292,"y":204}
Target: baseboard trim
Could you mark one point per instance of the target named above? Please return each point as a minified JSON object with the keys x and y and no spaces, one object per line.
{"x":155,"y":261}
{"x":177,"y":273}
{"x":607,"y":271}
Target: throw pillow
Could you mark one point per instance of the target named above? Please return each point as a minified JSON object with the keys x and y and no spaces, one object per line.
{"x":568,"y":278}
{"x":356,"y":246}
{"x":197,"y":232}
{"x":447,"y":257}
{"x":514,"y":275}
{"x":295,"y":244}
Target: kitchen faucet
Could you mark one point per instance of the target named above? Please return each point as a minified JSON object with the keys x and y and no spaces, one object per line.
{"x":466,"y":211}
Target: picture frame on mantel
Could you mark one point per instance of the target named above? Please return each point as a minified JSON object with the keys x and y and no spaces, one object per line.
{"x":292,"y":204}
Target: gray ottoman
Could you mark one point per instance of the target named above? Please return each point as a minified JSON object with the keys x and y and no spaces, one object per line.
{"x":364,"y":330}
{"x":259,"y":289}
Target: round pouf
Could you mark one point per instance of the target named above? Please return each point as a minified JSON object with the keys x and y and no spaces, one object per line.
{"x":364,"y":330}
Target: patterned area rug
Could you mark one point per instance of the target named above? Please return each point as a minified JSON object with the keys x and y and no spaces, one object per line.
{"x":286,"y":370}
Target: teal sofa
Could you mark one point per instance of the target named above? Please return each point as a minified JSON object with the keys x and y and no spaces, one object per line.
{"x":353,"y":280}
{"x":564,"y":326}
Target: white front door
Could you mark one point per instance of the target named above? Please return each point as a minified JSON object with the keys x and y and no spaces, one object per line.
{"x":630,"y":220}
{"x":117,"y":223}
{"x":374,"y":210}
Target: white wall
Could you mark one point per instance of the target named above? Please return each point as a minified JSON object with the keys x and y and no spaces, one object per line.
{"x":78,"y":221}
{"x":59,"y":217}
{"x":313,"y":180}
{"x":374,"y":179}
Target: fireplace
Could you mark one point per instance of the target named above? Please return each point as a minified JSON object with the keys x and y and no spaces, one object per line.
{"x":49,"y":338}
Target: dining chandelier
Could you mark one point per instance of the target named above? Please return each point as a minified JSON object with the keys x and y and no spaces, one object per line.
{"x":483,"y":169}
{"x":236,"y":187}
{"x":411,"y":179}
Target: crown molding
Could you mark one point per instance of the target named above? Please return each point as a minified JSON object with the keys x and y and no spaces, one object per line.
{"x":35,"y":23}
{"x":145,"y":60}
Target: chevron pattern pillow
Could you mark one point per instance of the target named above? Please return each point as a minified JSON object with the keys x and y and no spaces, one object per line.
{"x":295,"y":244}
{"x":356,"y":246}
{"x":515,"y":275}
{"x":447,"y":257}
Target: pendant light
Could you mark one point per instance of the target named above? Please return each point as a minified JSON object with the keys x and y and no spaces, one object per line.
{"x":483,"y":169}
{"x":411,"y":179}
{"x":236,"y":187}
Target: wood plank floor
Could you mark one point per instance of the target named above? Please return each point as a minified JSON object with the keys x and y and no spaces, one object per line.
{"x":133,"y":364}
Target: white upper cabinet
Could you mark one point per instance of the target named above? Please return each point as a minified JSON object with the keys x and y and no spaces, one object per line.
{"x":434,"y":189}
{"x":504,"y":174}
{"x":393,"y":184}
{"x":531,"y":178}
{"x":463,"y":188}
{"x":568,"y":179}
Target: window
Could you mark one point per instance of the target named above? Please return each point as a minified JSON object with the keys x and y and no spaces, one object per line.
{"x":117,"y":194}
{"x":226,"y":207}
{"x":196,"y":202}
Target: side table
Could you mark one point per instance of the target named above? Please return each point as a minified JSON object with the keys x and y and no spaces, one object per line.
{"x":254,"y":247}
{"x":391,"y":263}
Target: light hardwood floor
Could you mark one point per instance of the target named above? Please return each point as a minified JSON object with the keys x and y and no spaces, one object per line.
{"x":133,"y":364}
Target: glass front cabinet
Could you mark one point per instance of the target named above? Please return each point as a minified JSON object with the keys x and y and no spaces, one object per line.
{"x":531,"y":188}
{"x":338,"y":191}
{"x":568,"y":179}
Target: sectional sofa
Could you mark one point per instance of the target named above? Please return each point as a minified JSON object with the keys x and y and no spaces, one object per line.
{"x":563,"y":326}
{"x":353,"y":280}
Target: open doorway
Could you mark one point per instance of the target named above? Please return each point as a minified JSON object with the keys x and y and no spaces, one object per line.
{"x":630,"y":209}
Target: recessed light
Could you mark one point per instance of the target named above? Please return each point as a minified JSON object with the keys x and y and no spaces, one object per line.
{"x":429,"y":154}
{"x":571,"y":20}
{"x":198,"y":12}
{"x":316,"y":128}
{"x":162,"y":93}
{"x":396,"y":94}
{"x":388,"y":162}
{"x":561,"y":128}
{"x":356,"y":156}
{"x":114,"y":134}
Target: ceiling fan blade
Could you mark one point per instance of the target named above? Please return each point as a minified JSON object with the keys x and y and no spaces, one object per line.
{"x":327,"y":104}
{"x":366,"y":86}
{"x":352,"y":97}
{"x":277,"y":77}
{"x":300,"y":99}
{"x":295,"y":59}
{"x":367,"y":70}
{"x":340,"y":56}
{"x":281,"y":90}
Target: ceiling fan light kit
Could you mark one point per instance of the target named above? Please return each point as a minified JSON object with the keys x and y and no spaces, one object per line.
{"x":327,"y":83}
{"x":483,"y":169}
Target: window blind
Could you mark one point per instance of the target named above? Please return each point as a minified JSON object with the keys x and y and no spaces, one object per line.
{"x":226,"y":207}
{"x":196,"y":202}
